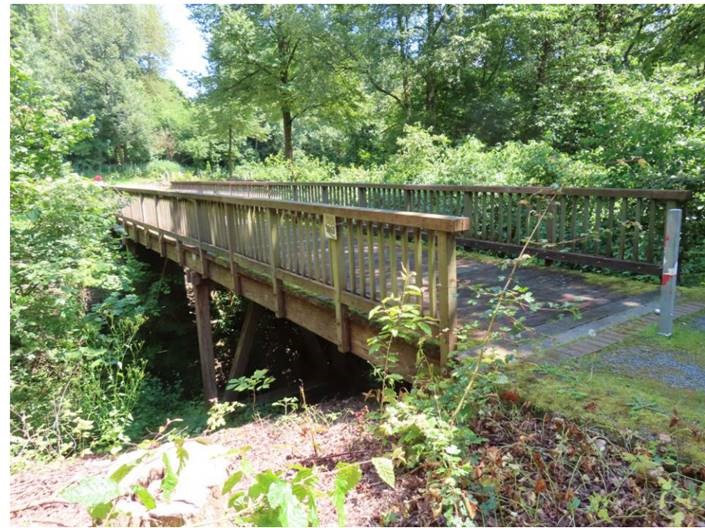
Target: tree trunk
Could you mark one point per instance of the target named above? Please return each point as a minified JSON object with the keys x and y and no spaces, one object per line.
{"x":287,"y":121}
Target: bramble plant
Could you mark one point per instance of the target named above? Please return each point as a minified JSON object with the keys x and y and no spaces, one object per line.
{"x":398,"y":318}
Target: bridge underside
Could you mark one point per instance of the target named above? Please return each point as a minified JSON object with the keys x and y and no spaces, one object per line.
{"x":566,"y":291}
{"x":300,"y":307}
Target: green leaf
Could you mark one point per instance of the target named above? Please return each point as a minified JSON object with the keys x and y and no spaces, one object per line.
{"x":100,"y":511}
{"x":145,"y":497}
{"x":92,"y":491}
{"x":290,"y":510}
{"x":385,"y":470}
{"x":170,"y":479}
{"x":121,"y":472}
{"x":232,"y":481}
{"x":346,"y":478}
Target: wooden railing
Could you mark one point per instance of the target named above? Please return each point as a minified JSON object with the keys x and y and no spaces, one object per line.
{"x":615,"y":228}
{"x":350,"y":256}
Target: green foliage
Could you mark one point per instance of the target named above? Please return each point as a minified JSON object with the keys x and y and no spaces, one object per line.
{"x":41,"y":135}
{"x":287,"y":404}
{"x":398,"y":318}
{"x":75,"y":360}
{"x":217,"y":413}
{"x":95,"y":494}
{"x":258,"y":381}
{"x":347,"y":477}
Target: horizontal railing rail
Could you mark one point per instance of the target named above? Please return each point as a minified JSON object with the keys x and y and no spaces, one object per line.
{"x":621,"y":229}
{"x":350,"y":256}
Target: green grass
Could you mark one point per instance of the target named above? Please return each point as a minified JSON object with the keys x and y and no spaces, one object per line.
{"x":588,"y":390}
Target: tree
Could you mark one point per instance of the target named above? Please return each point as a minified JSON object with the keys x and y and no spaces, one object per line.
{"x":41,"y":136}
{"x":274,"y":58}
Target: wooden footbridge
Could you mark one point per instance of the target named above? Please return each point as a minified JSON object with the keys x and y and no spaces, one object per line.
{"x":323,"y":254}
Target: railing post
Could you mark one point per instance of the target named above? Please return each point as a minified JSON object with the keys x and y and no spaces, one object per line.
{"x":337,"y":266}
{"x":448,"y":294}
{"x":277,"y":286}
{"x":669,"y":272}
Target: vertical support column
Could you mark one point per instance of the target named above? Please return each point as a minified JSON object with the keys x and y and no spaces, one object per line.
{"x":337,"y":266}
{"x":244,"y":344}
{"x":669,"y":273}
{"x":277,"y":286}
{"x":202,"y":298}
{"x":448,"y":294}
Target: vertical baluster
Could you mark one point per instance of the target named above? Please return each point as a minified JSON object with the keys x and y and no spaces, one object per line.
{"x":324,"y":252}
{"x":623,"y":227}
{"x":651,"y":234}
{"x":307,"y":236}
{"x":371,"y":261}
{"x":637,"y":231}
{"x":598,"y":225}
{"x":393,"y":261}
{"x":610,"y":225}
{"x":561,"y":220}
{"x":432,"y":274}
{"x":418,"y":264}
{"x":520,"y":205}
{"x":499,"y":201}
{"x":405,"y":248}
{"x":586,"y":224}
{"x":351,"y":254}
{"x":382,"y":261}
{"x":315,"y":229}
{"x":482,"y":217}
{"x":360,"y":256}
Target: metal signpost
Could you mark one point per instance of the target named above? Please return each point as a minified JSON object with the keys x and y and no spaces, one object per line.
{"x":671,"y":243}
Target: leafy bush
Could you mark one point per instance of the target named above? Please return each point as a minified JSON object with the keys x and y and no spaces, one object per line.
{"x":75,"y":362}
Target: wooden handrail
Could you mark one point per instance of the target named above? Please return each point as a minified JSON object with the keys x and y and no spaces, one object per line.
{"x":614,"y":228}
{"x":437,"y":222}
{"x":606,"y":192}
{"x":350,"y":256}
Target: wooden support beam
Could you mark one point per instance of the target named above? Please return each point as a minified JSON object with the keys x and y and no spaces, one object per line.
{"x":315,"y":357}
{"x":244,"y":344}
{"x":202,"y":300}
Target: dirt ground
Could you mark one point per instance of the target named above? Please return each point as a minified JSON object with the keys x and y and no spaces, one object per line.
{"x":329,"y":433}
